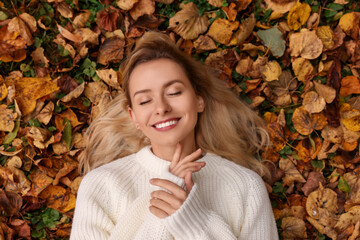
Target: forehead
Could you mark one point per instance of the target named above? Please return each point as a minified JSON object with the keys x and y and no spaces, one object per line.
{"x":156,"y":72}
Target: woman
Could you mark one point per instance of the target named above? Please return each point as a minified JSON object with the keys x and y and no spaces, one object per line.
{"x":159,"y":156}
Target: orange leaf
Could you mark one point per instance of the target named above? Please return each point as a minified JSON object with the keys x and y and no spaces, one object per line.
{"x":349,"y":85}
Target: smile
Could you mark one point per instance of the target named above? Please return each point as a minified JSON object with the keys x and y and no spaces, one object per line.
{"x":168,"y":124}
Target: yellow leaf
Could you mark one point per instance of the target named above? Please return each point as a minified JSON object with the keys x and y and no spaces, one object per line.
{"x":271,"y":71}
{"x":28,"y":90}
{"x":221,"y":30}
{"x":352,"y":123}
{"x":326,"y":35}
{"x":302,"y":68}
{"x":3,"y":90}
{"x":187,"y":22}
{"x":349,"y":23}
{"x":58,"y":198}
{"x":298,"y":15}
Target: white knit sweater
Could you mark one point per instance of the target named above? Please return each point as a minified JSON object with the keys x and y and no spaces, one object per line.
{"x":227,"y":201}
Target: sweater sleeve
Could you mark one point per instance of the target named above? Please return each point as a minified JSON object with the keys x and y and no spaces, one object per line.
{"x":92,"y":219}
{"x":194,"y":221}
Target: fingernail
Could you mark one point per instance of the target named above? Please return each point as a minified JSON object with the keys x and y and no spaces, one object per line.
{"x":151,"y":180}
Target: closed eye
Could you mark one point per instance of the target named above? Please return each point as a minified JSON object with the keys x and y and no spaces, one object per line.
{"x":176,"y":93}
{"x":144,"y":102}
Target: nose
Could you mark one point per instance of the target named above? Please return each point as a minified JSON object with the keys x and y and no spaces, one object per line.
{"x":162,"y":106}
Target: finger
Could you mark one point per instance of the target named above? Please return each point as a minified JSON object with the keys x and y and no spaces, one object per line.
{"x":176,"y":190}
{"x":176,"y":157}
{"x":164,"y":206}
{"x":158,"y":212}
{"x":188,"y":181}
{"x":181,"y":173}
{"x":190,"y":158}
{"x":174,"y":202}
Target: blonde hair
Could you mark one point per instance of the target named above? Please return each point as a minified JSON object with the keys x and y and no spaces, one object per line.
{"x":227,"y":127}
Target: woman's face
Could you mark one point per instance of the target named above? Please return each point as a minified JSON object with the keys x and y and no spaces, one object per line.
{"x":164,"y":104}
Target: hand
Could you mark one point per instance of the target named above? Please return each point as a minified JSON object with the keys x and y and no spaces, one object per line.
{"x":180,"y":167}
{"x":162,"y":203}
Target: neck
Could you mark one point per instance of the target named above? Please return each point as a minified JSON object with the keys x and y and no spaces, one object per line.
{"x":166,"y":152}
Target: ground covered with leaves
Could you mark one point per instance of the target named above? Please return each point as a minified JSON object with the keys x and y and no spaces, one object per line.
{"x":295,"y":62}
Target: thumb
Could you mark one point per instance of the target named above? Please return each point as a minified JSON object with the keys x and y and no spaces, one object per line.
{"x":188,"y":181}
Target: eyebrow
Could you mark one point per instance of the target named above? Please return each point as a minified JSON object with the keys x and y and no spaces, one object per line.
{"x":165,"y":86}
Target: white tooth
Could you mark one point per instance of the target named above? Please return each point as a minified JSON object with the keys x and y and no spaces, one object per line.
{"x":166,"y":124}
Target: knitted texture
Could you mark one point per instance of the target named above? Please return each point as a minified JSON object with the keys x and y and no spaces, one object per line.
{"x":227,"y":201}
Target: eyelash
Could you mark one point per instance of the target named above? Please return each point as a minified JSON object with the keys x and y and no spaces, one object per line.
{"x":171,"y":94}
{"x":145,"y":102}
{"x":176,"y":93}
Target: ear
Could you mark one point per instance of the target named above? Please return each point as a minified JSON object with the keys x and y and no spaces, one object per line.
{"x":200,"y":104}
{"x":133,"y":118}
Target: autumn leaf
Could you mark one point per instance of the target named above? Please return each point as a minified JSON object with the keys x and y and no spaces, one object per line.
{"x":141,"y":8}
{"x":187,"y":22}
{"x":298,"y":15}
{"x":349,"y":85}
{"x":28,"y":90}
{"x":111,"y":50}
{"x":221,"y":30}
{"x":302,"y":68}
{"x":281,"y":6}
{"x":305,"y":44}
{"x":273,"y":40}
{"x":349,"y":23}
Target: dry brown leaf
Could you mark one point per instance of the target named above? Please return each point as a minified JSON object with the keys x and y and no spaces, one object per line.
{"x":187,"y":22}
{"x":306,"y":151}
{"x":313,"y":103}
{"x":292,"y":174}
{"x":87,"y":35}
{"x":312,"y":182}
{"x":126,"y":4}
{"x":303,"y":69}
{"x":326,"y":35}
{"x":111,"y":50}
{"x":298,"y":15}
{"x":221,"y":30}
{"x":39,"y":57}
{"x":46,"y":113}
{"x":320,"y":201}
{"x":20,"y":183}
{"x":141,"y":8}
{"x":110,"y":77}
{"x":293,"y":228}
{"x":305,"y":44}
{"x":302,"y":121}
{"x":271,"y":71}
{"x":350,"y":217}
{"x":65,"y":10}
{"x":14,"y":161}
{"x":71,"y":116}
{"x":66,"y":46}
{"x":245,"y":29}
{"x":204,"y":43}
{"x":94,"y":91}
{"x":39,"y":181}
{"x":42,"y":137}
{"x":244,"y":66}
{"x":108,"y":19}
{"x":10,"y":202}
{"x":18,"y":25}
{"x":75,"y":184}
{"x":28,"y":90}
{"x":277,"y":135}
{"x":74,"y":93}
{"x":82,"y":18}
{"x":215,"y":3}
{"x":7,"y":118}
{"x":103,"y":100}
{"x":328,"y":93}
{"x":243,"y":4}
{"x":67,"y":168}
{"x":282,"y":6}
{"x":58,"y":198}
{"x":349,"y":85}
{"x":230,"y":11}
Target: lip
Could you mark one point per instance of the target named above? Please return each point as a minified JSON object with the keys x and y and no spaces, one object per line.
{"x":168,"y":127}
